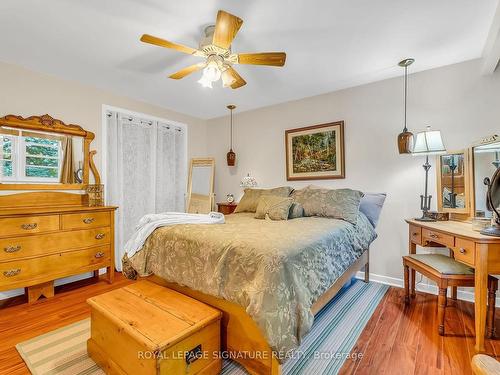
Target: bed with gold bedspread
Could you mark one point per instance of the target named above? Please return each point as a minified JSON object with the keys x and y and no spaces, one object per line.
{"x":275,"y":270}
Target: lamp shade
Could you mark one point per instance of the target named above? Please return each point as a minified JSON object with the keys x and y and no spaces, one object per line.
{"x":248,"y":182}
{"x":428,"y":142}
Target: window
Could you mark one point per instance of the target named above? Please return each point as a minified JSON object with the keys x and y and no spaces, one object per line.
{"x":30,"y":157}
{"x":6,"y":157}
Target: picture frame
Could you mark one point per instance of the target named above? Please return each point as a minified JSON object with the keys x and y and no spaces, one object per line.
{"x":315,"y":152}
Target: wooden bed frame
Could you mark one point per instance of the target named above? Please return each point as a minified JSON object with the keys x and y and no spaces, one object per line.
{"x":242,"y":338}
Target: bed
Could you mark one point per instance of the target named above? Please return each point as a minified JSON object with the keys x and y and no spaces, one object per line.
{"x":268,"y":277}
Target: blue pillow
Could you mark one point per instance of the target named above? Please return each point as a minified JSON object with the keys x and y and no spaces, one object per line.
{"x":371,"y":205}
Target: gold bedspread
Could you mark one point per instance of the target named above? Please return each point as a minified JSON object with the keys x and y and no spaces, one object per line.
{"x":274,"y":269}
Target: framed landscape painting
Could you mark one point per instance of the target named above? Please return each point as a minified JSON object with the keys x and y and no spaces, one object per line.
{"x":315,"y":152}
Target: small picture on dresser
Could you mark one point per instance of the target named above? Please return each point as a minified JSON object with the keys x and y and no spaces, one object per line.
{"x":315,"y":152}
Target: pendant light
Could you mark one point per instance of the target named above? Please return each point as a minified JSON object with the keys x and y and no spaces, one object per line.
{"x":405,"y":139}
{"x":231,"y":156}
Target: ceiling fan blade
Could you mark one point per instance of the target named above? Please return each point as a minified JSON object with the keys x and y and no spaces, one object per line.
{"x":146,"y":38}
{"x":263,"y":58}
{"x":186,"y":71}
{"x":238,"y":81}
{"x":226,"y":28}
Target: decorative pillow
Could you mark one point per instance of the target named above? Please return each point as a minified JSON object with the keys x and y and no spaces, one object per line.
{"x":276,"y":207}
{"x":250,"y":199}
{"x":296,"y":211}
{"x":335,"y":203}
{"x":371,"y":205}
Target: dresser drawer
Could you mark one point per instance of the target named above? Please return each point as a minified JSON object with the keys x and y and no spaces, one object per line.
{"x":28,"y":246}
{"x":438,"y":237}
{"x":416,"y":234}
{"x":13,"y":226}
{"x":32,"y":271}
{"x":85,"y":220}
{"x":464,"y":251}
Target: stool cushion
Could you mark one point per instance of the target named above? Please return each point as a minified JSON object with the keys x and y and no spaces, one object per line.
{"x":443,"y":264}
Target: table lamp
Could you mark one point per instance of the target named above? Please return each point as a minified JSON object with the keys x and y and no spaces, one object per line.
{"x":428,"y":142}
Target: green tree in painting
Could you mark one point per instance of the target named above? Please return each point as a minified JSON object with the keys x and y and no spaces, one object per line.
{"x":314,"y":152}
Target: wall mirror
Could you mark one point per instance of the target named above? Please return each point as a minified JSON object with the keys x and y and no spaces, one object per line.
{"x":453,"y":182}
{"x":40,"y":152}
{"x":486,"y":162}
{"x":200,"y":195}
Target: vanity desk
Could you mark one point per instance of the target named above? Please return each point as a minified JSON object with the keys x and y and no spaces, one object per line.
{"x":469,"y":247}
{"x":462,"y":194}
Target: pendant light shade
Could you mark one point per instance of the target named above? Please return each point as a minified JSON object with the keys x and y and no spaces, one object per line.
{"x":405,"y":138}
{"x":231,"y":156}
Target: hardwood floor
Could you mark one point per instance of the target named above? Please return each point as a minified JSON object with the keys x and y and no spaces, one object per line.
{"x":20,"y":321}
{"x":398,"y":339}
{"x":401,"y":339}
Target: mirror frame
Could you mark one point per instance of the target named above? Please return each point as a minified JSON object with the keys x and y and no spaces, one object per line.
{"x":458,"y":213}
{"x":201,"y":162}
{"x":47,"y":123}
{"x":485,"y":141}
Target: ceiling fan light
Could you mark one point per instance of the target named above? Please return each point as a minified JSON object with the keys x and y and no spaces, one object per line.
{"x":205,"y":82}
{"x":212,"y":73}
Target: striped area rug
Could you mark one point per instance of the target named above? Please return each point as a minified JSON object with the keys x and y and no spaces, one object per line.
{"x":335,"y":331}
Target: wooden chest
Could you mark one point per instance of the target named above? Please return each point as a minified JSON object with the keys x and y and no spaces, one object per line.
{"x":146,"y":329}
{"x":41,"y":244}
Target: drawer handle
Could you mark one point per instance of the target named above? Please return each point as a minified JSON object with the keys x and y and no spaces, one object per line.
{"x":100,"y":254}
{"x":88,"y":220}
{"x":414,"y":234}
{"x":100,"y":236}
{"x":11,"y":273}
{"x":12,"y":249}
{"x":462,"y":250}
{"x":432,"y":235}
{"x":29,"y":226}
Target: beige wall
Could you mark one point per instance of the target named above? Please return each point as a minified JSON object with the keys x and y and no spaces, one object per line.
{"x":455,"y":99}
{"x":24,"y":92}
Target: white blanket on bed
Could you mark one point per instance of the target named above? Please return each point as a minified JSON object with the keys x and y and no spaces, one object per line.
{"x":149,"y":223}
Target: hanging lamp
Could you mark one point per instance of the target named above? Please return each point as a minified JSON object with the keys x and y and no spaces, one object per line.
{"x":231,"y":156}
{"x":405,"y":139}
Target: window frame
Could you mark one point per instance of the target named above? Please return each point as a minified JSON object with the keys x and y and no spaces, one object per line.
{"x":13,"y":157}
{"x":19,"y":157}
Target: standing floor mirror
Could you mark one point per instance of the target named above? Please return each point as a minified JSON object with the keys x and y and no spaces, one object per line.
{"x":200,"y":194}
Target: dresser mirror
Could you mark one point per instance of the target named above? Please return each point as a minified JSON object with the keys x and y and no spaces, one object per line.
{"x":40,"y":153}
{"x":486,"y":162}
{"x":200,"y":195}
{"x":453,"y":182}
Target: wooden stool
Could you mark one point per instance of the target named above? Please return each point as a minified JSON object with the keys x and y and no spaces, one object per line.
{"x":447,"y":272}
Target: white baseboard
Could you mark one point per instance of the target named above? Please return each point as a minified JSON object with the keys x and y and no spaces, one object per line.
{"x":66,"y":280}
{"x":426,"y":286}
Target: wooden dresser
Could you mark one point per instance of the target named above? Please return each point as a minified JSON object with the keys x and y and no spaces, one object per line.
{"x":49,"y":235}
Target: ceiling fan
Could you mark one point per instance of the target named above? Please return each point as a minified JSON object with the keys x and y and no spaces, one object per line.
{"x":215,"y":48}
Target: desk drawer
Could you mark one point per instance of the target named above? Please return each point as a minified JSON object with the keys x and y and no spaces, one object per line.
{"x":438,"y":237}
{"x":416,"y":234}
{"x":13,"y":226}
{"x":53,"y":266}
{"x":22,"y":247}
{"x":464,"y":251}
{"x":85,"y":220}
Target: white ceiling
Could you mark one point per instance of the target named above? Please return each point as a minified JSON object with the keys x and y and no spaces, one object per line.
{"x":330,"y":44}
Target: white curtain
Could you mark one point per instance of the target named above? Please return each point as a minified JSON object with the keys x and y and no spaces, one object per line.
{"x":145,"y":171}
